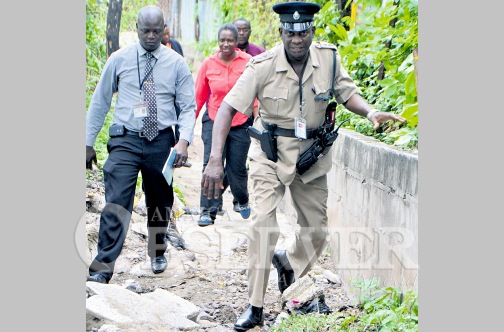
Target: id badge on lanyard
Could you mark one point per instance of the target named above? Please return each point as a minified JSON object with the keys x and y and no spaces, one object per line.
{"x":300,"y":125}
{"x":140,"y":110}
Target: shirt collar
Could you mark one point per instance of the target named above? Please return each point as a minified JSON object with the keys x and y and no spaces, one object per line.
{"x":244,"y":47}
{"x":156,"y":53}
{"x":241,"y":54}
{"x":284,"y":65}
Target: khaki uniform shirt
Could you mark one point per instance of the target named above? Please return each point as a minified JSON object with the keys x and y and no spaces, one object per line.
{"x":271,"y":79}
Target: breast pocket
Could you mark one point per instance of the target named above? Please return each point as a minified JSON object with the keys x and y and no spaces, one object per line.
{"x":213,"y":72}
{"x":275,"y":100}
{"x":321,"y":95}
{"x":321,"y":91}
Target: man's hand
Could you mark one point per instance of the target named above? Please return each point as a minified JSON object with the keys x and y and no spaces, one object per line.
{"x":181,"y":149}
{"x":359,"y":106}
{"x":211,"y":182}
{"x":379,"y":117}
{"x":90,"y":157}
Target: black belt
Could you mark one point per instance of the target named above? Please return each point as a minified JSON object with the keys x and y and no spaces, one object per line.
{"x":277,"y":131}
{"x":141,"y":133}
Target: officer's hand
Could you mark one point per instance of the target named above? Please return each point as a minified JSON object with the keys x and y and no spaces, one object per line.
{"x":90,"y":157}
{"x":211,"y":181}
{"x":380,"y":117}
{"x":182,"y":154}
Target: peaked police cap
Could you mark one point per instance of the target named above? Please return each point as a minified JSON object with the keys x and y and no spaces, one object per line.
{"x":296,"y":16}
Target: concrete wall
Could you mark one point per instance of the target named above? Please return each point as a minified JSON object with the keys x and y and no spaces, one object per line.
{"x":372,"y":211}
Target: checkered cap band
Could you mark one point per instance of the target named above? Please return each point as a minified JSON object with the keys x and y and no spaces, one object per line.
{"x":296,"y":27}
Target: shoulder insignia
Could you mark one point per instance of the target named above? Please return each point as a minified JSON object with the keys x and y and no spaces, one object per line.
{"x":261,"y":57}
{"x":321,"y":44}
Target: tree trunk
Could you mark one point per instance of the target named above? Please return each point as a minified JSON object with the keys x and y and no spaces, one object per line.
{"x":113,"y":25}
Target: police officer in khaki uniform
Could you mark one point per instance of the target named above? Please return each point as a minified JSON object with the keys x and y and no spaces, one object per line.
{"x":293,"y":84}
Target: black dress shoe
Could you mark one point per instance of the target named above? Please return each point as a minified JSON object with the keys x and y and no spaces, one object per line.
{"x":158,"y":264}
{"x":97,"y":278}
{"x":284,"y":270}
{"x":251,"y":318}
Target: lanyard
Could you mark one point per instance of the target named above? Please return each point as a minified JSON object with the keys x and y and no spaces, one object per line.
{"x":140,"y":83}
{"x":301,"y":90}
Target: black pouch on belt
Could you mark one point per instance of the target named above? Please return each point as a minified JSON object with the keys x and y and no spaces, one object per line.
{"x":309,"y":157}
{"x":116,"y":130}
{"x":319,"y":148}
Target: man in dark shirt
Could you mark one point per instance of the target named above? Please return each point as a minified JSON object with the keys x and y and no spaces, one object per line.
{"x":244,"y":30}
{"x":171,"y":42}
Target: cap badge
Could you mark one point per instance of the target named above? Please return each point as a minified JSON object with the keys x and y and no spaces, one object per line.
{"x":296,"y":15}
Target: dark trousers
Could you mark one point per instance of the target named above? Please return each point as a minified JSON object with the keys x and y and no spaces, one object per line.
{"x":235,"y":169}
{"x":128,"y":155}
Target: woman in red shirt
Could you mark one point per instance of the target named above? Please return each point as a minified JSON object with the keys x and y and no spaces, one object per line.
{"x":217,"y":75}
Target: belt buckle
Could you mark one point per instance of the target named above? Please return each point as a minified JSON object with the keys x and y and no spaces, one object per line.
{"x":141,"y":134}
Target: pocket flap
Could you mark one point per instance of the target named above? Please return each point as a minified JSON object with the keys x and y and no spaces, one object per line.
{"x":276,"y":93}
{"x":213,"y":72}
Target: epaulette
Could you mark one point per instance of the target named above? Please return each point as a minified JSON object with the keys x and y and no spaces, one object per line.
{"x":321,"y":44}
{"x":261,"y":57}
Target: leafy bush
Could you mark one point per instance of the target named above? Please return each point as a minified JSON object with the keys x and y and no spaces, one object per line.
{"x":96,"y":53}
{"x":372,"y":43}
{"x":386,"y":308}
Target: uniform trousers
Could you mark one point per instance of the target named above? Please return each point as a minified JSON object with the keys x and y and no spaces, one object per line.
{"x":128,"y":155}
{"x":235,"y":170}
{"x":310,"y":203}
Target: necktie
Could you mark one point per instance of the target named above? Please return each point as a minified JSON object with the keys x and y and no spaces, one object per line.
{"x":150,"y":127}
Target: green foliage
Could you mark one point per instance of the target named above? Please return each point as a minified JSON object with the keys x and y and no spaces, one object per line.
{"x":179,"y":194}
{"x":96,"y":52}
{"x":96,"y":56}
{"x":130,"y":11}
{"x":363,"y":49}
{"x":384,"y":309}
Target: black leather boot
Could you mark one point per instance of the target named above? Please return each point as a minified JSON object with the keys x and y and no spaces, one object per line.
{"x":284,"y":269}
{"x":251,"y":318}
